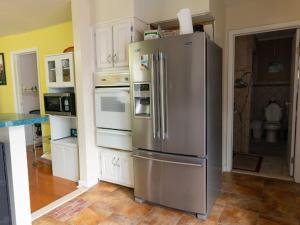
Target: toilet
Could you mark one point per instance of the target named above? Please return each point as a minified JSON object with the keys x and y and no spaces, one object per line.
{"x":272,"y":125}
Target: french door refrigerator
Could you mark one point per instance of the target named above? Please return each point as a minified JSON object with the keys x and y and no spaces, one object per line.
{"x":176,"y":91}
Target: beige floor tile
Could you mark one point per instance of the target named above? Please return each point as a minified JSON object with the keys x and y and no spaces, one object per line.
{"x":116,"y":219}
{"x":86,"y":217}
{"x":263,"y":221}
{"x":47,"y":221}
{"x":188,"y":219}
{"x":162,"y":216}
{"x":236,"y":216}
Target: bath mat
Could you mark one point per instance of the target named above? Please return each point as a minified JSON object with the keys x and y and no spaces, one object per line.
{"x":247,"y":162}
{"x":68,"y":210}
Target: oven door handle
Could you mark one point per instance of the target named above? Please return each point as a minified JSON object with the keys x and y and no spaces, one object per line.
{"x":111,"y":89}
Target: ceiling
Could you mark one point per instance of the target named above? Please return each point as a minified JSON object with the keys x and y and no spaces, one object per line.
{"x":18,"y":16}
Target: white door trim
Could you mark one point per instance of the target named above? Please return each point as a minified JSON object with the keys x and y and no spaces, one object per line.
{"x":15,"y":76}
{"x":230,"y":86}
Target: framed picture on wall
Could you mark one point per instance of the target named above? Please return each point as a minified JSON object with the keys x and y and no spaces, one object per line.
{"x":2,"y":70}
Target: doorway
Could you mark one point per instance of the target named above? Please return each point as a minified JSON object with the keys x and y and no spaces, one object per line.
{"x":265,"y":94}
{"x":27,"y":95}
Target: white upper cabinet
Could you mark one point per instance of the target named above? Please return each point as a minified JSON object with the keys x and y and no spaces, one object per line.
{"x":104,"y":47}
{"x":122,"y":38}
{"x":60,"y":70}
{"x":112,"y":40}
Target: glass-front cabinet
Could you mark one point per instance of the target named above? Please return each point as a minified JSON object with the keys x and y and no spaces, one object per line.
{"x":60,"y":70}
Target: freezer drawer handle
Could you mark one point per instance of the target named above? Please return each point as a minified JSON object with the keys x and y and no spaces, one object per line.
{"x":167,"y":161}
{"x":124,"y":133}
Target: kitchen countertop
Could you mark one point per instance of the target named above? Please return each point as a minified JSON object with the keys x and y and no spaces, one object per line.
{"x":13,"y":119}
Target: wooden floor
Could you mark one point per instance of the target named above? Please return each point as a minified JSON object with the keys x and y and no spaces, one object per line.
{"x":45,"y":188}
{"x":245,"y":200}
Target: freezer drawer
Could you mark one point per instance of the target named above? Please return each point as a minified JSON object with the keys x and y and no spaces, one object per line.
{"x":173,"y":181}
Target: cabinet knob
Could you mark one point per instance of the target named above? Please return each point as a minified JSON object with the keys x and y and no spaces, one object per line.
{"x":115,"y":58}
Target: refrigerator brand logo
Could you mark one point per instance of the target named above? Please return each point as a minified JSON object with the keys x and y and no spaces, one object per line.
{"x":137,"y":50}
{"x":188,"y":44}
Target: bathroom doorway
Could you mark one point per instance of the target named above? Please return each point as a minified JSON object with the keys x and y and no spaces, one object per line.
{"x":265,"y":93}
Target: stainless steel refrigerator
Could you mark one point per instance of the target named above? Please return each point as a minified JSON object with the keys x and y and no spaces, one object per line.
{"x":176,"y":91}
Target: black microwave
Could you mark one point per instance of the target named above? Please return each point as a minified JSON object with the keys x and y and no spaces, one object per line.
{"x":60,"y":104}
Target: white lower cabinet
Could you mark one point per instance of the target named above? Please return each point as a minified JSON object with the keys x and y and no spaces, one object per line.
{"x":116,"y":167}
{"x":65,"y":158}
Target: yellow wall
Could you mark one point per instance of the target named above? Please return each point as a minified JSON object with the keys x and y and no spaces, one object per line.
{"x":50,"y":40}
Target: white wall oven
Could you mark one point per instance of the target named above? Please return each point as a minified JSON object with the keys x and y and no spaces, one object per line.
{"x":113,"y":115}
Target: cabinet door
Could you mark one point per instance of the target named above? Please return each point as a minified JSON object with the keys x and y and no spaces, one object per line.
{"x":58,"y":161}
{"x":51,"y":71}
{"x":71,"y":164}
{"x":66,"y":70}
{"x":108,"y":168}
{"x":124,"y":164}
{"x":104,"y":52}
{"x":122,"y":34}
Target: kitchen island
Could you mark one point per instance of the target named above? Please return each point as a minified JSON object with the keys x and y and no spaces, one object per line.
{"x":12,"y":134}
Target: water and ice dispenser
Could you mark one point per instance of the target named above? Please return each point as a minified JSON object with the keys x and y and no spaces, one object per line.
{"x":142,"y":100}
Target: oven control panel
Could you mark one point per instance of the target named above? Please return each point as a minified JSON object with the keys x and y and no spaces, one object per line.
{"x":114,"y":79}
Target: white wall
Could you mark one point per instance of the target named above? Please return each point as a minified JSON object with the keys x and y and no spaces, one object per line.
{"x":160,"y":10}
{"x":217,"y":10}
{"x":147,"y":10}
{"x":28,"y":77}
{"x":104,"y":10}
{"x":244,"y":13}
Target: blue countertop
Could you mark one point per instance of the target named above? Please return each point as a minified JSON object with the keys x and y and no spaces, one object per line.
{"x":12,"y":119}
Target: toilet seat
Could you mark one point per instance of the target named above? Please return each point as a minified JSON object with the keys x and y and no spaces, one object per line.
{"x":273,"y":112}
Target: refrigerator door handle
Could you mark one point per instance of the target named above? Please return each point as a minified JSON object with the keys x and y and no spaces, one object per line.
{"x":153,"y":94}
{"x":162,"y":71}
{"x":168,"y":161}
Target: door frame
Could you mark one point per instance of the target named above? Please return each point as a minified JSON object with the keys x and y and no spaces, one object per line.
{"x":15,"y":76}
{"x":230,"y":87}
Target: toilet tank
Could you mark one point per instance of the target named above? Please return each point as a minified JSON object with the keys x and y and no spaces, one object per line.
{"x":273,"y":112}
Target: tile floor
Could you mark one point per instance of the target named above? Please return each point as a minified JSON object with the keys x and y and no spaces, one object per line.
{"x":245,"y":200}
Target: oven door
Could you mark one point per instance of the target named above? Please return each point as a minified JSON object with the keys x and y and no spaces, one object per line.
{"x":113,"y":108}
